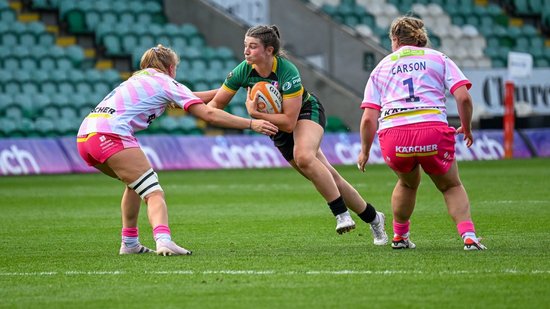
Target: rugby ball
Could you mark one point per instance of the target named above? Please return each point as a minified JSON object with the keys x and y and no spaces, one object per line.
{"x":270,"y":100}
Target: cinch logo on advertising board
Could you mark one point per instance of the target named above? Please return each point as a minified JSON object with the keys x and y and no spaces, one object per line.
{"x":15,"y":161}
{"x":20,"y":156}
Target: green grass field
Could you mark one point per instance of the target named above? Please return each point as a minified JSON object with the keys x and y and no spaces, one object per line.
{"x":265,"y":239}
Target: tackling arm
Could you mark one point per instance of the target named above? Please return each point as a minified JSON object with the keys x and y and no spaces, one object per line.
{"x":206,"y":96}
{"x":223,"y":119}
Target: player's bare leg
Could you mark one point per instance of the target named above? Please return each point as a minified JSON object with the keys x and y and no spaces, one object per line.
{"x":403,"y":202}
{"x":458,"y":206}
{"x":355,"y":202}
{"x":140,"y":177}
{"x":307,"y":140}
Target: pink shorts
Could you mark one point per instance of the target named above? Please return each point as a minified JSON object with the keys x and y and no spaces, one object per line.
{"x":430,"y":144}
{"x":96,"y":148}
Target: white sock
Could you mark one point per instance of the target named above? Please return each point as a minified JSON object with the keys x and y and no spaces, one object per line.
{"x":404,"y":236}
{"x":130,"y":242}
{"x":471,"y":235}
{"x":163,"y":237}
{"x":376,"y":219}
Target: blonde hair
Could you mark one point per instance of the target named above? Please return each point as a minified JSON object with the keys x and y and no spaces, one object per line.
{"x":409,"y":30}
{"x":160,"y":58}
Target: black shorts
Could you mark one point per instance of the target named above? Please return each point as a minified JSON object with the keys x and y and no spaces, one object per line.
{"x":312,"y":110}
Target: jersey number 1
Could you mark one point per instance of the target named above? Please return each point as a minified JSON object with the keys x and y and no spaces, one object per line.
{"x":412,"y":98}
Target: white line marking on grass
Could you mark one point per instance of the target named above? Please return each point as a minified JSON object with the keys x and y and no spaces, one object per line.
{"x":237,"y":272}
{"x":42,"y":273}
{"x":274,"y":272}
{"x":514,"y":202}
{"x":364,"y":272}
{"x":98,"y":273}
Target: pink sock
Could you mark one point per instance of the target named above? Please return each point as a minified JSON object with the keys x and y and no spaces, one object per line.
{"x":161,"y":232}
{"x":465,"y":227}
{"x":130,"y":236}
{"x":401,"y":228}
{"x":130,"y":231}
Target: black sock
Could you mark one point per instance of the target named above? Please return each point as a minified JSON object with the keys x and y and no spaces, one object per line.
{"x":338,"y":206}
{"x":369,"y":214}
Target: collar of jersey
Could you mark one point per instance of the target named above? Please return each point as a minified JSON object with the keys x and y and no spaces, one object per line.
{"x":273,"y":67}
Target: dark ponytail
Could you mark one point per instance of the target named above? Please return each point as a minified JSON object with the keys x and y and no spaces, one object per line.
{"x":269,"y":36}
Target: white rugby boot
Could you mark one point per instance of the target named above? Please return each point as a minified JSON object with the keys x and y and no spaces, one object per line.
{"x":472,"y":245}
{"x":402,"y":242}
{"x":344,"y":223}
{"x":379,"y":230}
{"x":166,"y":248}
{"x":134,"y":250}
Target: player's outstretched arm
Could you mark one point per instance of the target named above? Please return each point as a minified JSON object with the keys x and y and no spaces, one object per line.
{"x":206,"y":96}
{"x":221,"y":118}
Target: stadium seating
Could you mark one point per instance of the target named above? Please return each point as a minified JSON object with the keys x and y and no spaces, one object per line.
{"x":48,"y":88}
{"x":118,"y":28}
{"x":61,"y":90}
{"x":476,"y":34}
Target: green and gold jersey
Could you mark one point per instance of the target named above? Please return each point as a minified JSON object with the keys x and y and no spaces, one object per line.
{"x":284,"y":75}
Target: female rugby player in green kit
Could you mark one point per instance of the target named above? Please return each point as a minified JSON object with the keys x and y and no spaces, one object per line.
{"x":301,"y":126}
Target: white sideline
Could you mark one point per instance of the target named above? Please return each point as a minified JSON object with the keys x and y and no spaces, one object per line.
{"x":274,"y":272}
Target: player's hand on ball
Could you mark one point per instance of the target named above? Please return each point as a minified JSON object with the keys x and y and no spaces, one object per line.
{"x":267,"y":98}
{"x":251,"y":103}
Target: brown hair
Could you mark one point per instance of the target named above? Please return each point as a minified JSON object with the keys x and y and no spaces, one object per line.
{"x":160,"y":58}
{"x":269,"y":36}
{"x":409,"y":30}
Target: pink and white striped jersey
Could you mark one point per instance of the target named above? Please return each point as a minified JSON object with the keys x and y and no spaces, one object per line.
{"x":408,"y":86}
{"x":135,"y":103}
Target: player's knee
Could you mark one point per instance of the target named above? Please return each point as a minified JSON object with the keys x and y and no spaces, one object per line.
{"x":412,"y":185}
{"x":444,"y":187}
{"x":158,"y":193}
{"x":303,"y":159}
{"x":146,"y":184}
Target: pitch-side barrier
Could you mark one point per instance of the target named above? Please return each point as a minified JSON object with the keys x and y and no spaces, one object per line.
{"x":31,"y":156}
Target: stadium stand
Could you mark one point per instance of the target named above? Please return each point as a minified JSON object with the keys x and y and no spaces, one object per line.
{"x":48,"y":83}
{"x":475,"y":33}
{"x":58,"y":58}
{"x":53,"y":70}
{"x":39,"y":74}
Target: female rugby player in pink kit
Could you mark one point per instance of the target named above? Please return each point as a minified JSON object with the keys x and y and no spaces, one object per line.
{"x":405,"y":94}
{"x":106,"y":141}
